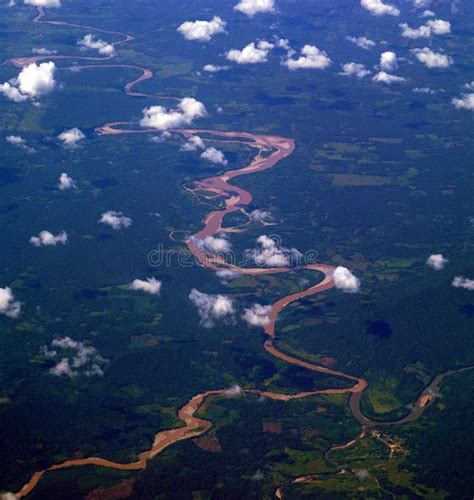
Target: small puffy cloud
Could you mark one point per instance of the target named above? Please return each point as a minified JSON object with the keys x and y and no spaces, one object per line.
{"x":66,"y":182}
{"x":257,"y":315}
{"x":469,"y":86}
{"x":15,"y":140}
{"x":71,"y":137}
{"x":423,"y":90}
{"x":211,"y":307}
{"x":310,"y":58}
{"x":460,"y":282}
{"x":202,"y":31}
{"x":19,"y":142}
{"x":436,"y":261}
{"x":421,"y":4}
{"x":387,"y":78}
{"x":73,"y":358}
{"x":233,"y":391}
{"x":160,"y":118}
{"x":43,"y":3}
{"x":226,"y":275}
{"x":252,"y":7}
{"x":116,"y":220}
{"x":42,"y":51}
{"x":379,"y":8}
{"x":268,"y":253}
{"x":466,"y":101}
{"x":8,"y":305}
{"x":439,"y":27}
{"x":213,"y":244}
{"x":261,"y":215}
{"x":388,"y":61}
{"x":345,"y":280}
{"x":215,"y":156}
{"x":47,"y":239}
{"x":354,"y":69}
{"x":433,"y":59}
{"x":431,"y":27}
{"x":148,"y":285}
{"x":158,"y":139}
{"x":90,"y":42}
{"x":428,"y":13}
{"x":214,"y":68}
{"x":283,"y":43}
{"x":193,"y":144}
{"x":362,"y":42}
{"x":33,"y":81}
{"x":251,"y":53}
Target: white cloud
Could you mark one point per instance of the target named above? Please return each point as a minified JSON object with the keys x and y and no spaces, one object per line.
{"x":8,"y":305}
{"x":466,"y":101}
{"x":42,"y":51}
{"x":158,"y":139}
{"x":19,"y":142}
{"x":15,"y":140}
{"x":362,"y":42}
{"x":345,"y":280}
{"x":215,"y":156}
{"x":116,"y":220}
{"x":202,"y":30}
{"x":424,"y":90}
{"x":460,"y":282}
{"x":226,"y":275}
{"x":354,"y":69}
{"x":261,"y":215}
{"x":71,"y":137}
{"x":431,"y":27}
{"x":251,"y":53}
{"x":388,"y":61}
{"x":233,"y":391}
{"x":211,"y":307}
{"x":283,"y":43}
{"x":89,"y":42}
{"x":66,"y":182}
{"x":149,"y":285}
{"x":469,"y":86}
{"x":193,"y":144}
{"x":74,"y":358}
{"x":43,"y":3}
{"x":384,"y":77}
{"x":252,"y":7}
{"x":433,"y":59}
{"x":436,"y":261}
{"x":257,"y":315}
{"x":213,"y":244}
{"x":421,"y":4}
{"x":378,"y":8}
{"x":310,"y":58}
{"x":47,"y":239}
{"x":428,"y":13}
{"x":33,"y":81}
{"x":215,"y":68}
{"x":160,"y":118}
{"x":269,"y":254}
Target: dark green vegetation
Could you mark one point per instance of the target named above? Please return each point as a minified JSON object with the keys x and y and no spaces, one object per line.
{"x":381,"y":178}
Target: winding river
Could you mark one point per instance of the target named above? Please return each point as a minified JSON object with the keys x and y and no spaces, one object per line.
{"x":270,"y":150}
